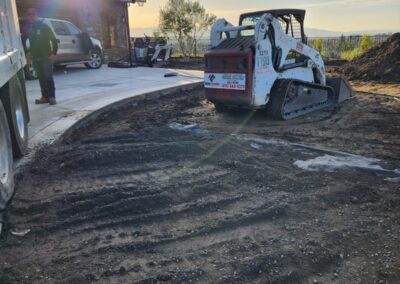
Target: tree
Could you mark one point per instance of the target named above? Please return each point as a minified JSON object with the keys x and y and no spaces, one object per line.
{"x":186,"y":21}
{"x":159,"y":36}
{"x":201,"y":22}
{"x":366,"y":43}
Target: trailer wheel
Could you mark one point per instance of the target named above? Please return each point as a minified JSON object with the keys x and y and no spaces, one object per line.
{"x":6,"y":161}
{"x":14,"y":103}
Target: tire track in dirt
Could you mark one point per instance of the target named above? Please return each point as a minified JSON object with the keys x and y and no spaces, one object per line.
{"x":134,"y":201}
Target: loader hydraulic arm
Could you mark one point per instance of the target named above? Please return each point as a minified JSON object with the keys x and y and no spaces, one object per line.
{"x":221,"y":27}
{"x":269,"y":28}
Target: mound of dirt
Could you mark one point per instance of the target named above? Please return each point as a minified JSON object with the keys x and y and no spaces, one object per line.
{"x":381,"y":63}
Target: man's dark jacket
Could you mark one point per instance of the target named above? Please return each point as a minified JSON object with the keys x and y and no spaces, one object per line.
{"x":42,"y":42}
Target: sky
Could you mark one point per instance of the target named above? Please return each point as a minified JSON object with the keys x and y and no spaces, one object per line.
{"x":338,"y":16}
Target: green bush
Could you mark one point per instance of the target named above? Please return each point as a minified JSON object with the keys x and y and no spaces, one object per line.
{"x":366,"y":44}
{"x":318,"y":44}
{"x":327,"y":54}
{"x":350,"y":54}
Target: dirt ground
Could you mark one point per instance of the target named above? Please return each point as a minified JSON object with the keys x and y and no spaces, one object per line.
{"x":181,"y":63}
{"x":167,"y":189}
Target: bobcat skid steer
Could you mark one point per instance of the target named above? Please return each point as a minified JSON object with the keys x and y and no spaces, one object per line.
{"x":265,"y":63}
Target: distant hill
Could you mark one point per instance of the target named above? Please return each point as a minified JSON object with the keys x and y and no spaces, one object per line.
{"x":310,"y":32}
{"x":140,"y":32}
{"x":326,"y":33}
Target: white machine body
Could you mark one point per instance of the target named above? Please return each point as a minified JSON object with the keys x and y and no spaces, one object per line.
{"x":264,"y":73}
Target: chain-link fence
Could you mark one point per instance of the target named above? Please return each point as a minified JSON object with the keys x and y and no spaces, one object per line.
{"x":331,"y":45}
{"x":198,"y":48}
{"x":334,"y":46}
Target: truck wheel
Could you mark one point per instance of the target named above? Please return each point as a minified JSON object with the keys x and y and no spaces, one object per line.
{"x":96,"y":59}
{"x":14,"y":103}
{"x":21,"y":78}
{"x":6,"y":161}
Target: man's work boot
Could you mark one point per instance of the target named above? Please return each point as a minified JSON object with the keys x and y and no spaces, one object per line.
{"x":42,"y":100}
{"x":52,"y":101}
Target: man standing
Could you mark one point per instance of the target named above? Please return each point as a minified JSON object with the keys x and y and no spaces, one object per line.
{"x":42,"y":51}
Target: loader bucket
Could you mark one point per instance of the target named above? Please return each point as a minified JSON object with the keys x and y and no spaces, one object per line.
{"x":341,"y":87}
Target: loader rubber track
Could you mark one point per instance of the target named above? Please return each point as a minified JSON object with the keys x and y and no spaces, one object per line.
{"x":293,"y":98}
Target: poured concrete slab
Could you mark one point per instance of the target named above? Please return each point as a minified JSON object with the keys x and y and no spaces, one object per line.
{"x":80,"y":91}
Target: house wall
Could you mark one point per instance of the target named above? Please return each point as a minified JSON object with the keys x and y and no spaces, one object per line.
{"x":102,"y":19}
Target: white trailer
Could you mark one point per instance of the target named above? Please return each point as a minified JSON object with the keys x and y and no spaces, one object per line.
{"x":14,"y":115}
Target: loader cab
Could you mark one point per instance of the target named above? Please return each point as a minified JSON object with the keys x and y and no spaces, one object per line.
{"x":292,"y":22}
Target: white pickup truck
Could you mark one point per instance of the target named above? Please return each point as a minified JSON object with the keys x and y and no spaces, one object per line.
{"x":14,"y":115}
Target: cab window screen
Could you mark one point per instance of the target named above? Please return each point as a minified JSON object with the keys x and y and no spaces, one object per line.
{"x":289,"y":25}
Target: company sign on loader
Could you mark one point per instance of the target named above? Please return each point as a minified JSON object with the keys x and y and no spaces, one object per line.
{"x":227,"y":81}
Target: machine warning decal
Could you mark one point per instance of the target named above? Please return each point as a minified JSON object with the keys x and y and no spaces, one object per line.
{"x":262,"y":62}
{"x":228,"y":81}
{"x":299,"y":47}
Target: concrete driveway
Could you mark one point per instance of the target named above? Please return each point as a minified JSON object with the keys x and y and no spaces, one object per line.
{"x":80,"y":91}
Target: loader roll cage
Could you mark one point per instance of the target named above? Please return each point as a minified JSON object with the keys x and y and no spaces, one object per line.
{"x":292,"y":22}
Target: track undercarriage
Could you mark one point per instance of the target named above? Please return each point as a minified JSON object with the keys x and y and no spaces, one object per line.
{"x":292,"y":98}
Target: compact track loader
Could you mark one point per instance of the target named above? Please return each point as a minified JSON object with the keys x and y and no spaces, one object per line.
{"x":265,"y":62}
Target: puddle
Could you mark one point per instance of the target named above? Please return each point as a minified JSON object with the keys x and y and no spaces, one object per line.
{"x":255,"y":146}
{"x":327,"y":160}
{"x":195,"y":128}
{"x":330,"y":163}
{"x":261,"y":141}
{"x":395,"y":180}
